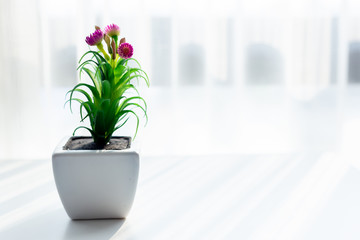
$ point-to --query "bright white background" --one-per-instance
(226, 76)
(254, 117)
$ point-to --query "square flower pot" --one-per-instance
(96, 184)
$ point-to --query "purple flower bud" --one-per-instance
(95, 38)
(112, 30)
(113, 45)
(107, 40)
(125, 50)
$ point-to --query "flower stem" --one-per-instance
(101, 48)
(116, 42)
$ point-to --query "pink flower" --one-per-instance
(95, 38)
(125, 50)
(112, 30)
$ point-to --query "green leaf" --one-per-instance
(91, 131)
(137, 119)
(125, 61)
(118, 72)
(95, 54)
(100, 122)
(106, 89)
(92, 77)
(84, 93)
(119, 126)
(146, 78)
(87, 62)
(125, 102)
(91, 111)
(92, 89)
(139, 106)
(126, 78)
(73, 99)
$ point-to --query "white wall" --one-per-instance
(198, 46)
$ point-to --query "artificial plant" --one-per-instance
(108, 101)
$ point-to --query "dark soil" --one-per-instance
(87, 143)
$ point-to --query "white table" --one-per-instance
(288, 196)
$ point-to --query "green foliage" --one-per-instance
(105, 103)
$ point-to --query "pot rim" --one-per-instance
(134, 147)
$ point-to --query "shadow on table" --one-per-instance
(93, 229)
(56, 224)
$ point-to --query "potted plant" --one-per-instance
(96, 177)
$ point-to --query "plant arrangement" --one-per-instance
(96, 184)
(112, 98)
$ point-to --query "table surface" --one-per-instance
(279, 196)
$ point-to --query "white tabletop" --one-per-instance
(288, 196)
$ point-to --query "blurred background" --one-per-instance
(227, 76)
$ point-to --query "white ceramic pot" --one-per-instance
(95, 184)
